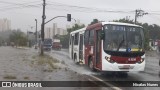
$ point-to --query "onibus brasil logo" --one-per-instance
(21, 84)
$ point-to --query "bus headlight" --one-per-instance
(142, 59)
(109, 59)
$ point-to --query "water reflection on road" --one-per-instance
(151, 73)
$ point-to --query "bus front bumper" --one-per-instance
(106, 66)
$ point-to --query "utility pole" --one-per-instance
(43, 26)
(36, 30)
(139, 13)
(135, 17)
(27, 39)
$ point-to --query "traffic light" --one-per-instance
(69, 17)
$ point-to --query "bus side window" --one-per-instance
(86, 37)
(91, 37)
(76, 39)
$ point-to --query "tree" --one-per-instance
(57, 36)
(75, 27)
(65, 41)
(18, 37)
(65, 38)
(94, 21)
(125, 21)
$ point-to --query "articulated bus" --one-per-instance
(109, 46)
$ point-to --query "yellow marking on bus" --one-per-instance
(136, 49)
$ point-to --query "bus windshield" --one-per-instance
(123, 38)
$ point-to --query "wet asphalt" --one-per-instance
(18, 64)
(151, 72)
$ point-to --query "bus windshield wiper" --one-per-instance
(120, 44)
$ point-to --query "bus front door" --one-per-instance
(81, 48)
(72, 43)
(98, 49)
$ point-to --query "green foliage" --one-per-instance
(19, 38)
(75, 27)
(57, 36)
(124, 21)
(65, 38)
(94, 21)
(65, 41)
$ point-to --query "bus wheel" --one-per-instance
(91, 64)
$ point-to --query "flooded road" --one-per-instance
(151, 73)
(25, 64)
(20, 64)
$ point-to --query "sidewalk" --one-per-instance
(17, 64)
(26, 65)
(20, 47)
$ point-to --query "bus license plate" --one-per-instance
(126, 66)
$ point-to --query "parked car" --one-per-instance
(56, 45)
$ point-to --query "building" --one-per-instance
(68, 26)
(54, 29)
(5, 24)
(51, 32)
(65, 32)
(61, 31)
(48, 33)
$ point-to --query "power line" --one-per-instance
(91, 9)
(85, 11)
(82, 9)
(88, 10)
(71, 7)
(85, 8)
(154, 13)
(16, 4)
(153, 16)
(4, 2)
(20, 7)
(66, 7)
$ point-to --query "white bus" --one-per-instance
(109, 46)
(76, 45)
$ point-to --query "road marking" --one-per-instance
(108, 84)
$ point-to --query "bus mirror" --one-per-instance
(102, 35)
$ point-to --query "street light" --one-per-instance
(36, 30)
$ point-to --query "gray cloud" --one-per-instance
(24, 17)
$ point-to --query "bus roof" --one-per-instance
(103, 23)
(100, 24)
(120, 23)
(79, 30)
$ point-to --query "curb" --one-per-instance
(26, 48)
(93, 78)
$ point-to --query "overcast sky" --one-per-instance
(84, 10)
